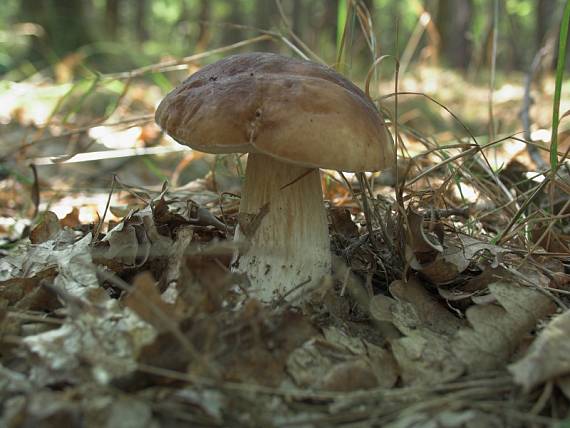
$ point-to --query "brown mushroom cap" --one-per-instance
(293, 110)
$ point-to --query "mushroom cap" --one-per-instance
(293, 110)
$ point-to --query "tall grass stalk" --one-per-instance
(558, 87)
(342, 13)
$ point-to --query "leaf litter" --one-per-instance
(147, 323)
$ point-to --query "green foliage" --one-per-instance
(522, 8)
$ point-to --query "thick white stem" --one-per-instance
(285, 223)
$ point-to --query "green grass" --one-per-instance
(558, 87)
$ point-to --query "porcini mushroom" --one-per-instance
(292, 117)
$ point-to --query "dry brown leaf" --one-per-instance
(133, 241)
(47, 229)
(339, 339)
(421, 246)
(456, 257)
(548, 358)
(438, 346)
(145, 300)
(71, 220)
(551, 239)
(383, 365)
(308, 364)
(419, 309)
(496, 330)
(128, 243)
(423, 353)
(211, 402)
(262, 347)
(475, 286)
(426, 358)
(349, 376)
(341, 363)
(342, 223)
(178, 255)
(382, 307)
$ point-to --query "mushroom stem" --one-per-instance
(283, 219)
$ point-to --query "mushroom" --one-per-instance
(292, 117)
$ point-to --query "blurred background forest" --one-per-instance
(114, 35)
(81, 80)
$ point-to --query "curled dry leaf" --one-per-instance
(548, 358)
(176, 213)
(133, 242)
(440, 257)
(128, 242)
(459, 253)
(421, 246)
(474, 286)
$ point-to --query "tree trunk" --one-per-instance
(141, 9)
(296, 17)
(544, 10)
(232, 34)
(65, 25)
(453, 20)
(204, 31)
(112, 17)
(325, 27)
(265, 11)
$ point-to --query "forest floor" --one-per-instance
(118, 306)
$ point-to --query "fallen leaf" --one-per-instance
(100, 344)
(421, 246)
(548, 358)
(341, 363)
(71, 220)
(497, 329)
(459, 253)
(64, 258)
(47, 229)
(145, 300)
(349, 376)
(342, 224)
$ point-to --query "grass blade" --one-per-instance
(558, 87)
